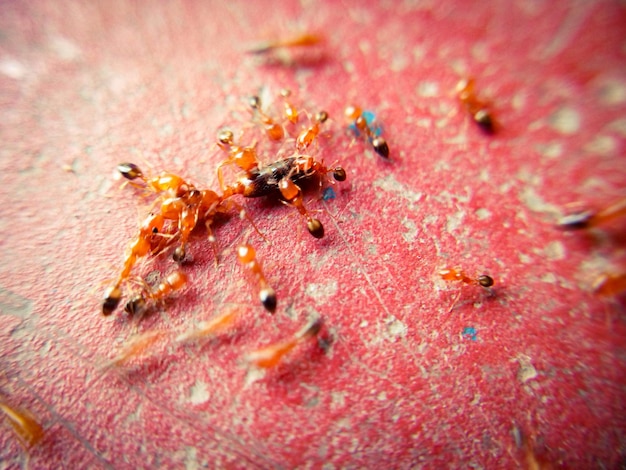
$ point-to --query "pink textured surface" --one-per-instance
(87, 86)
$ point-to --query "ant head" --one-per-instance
(130, 171)
(225, 138)
(321, 116)
(254, 102)
(135, 306)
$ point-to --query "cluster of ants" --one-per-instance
(179, 207)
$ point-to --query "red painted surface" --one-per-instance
(84, 87)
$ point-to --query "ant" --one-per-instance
(281, 177)
(184, 208)
(479, 110)
(271, 355)
(457, 274)
(243, 157)
(28, 431)
(308, 136)
(139, 303)
(363, 122)
(246, 255)
(210, 327)
(273, 130)
(591, 219)
(303, 40)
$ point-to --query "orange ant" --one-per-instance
(308, 135)
(591, 219)
(210, 327)
(185, 207)
(271, 355)
(478, 109)
(273, 130)
(363, 122)
(457, 274)
(136, 346)
(246, 255)
(303, 40)
(28, 431)
(139, 303)
(243, 157)
(281, 177)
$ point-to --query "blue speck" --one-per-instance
(469, 332)
(329, 193)
(370, 118)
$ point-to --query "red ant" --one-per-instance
(457, 274)
(271, 355)
(479, 110)
(273, 130)
(246, 255)
(243, 157)
(185, 207)
(28, 431)
(362, 122)
(303, 40)
(591, 219)
(308, 135)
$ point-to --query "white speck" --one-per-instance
(519, 100)
(199, 393)
(554, 251)
(619, 125)
(551, 149)
(191, 458)
(65, 49)
(548, 278)
(526, 370)
(320, 291)
(395, 329)
(524, 258)
(455, 221)
(390, 184)
(602, 145)
(613, 92)
(411, 232)
(565, 121)
(399, 62)
(12, 68)
(428, 89)
(535, 203)
(382, 396)
(483, 213)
